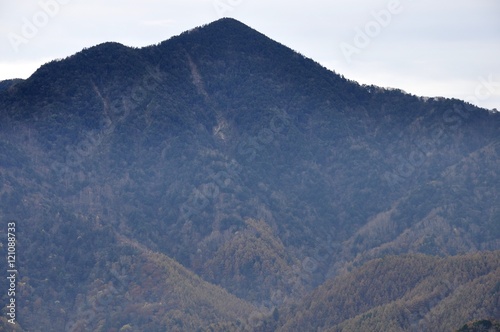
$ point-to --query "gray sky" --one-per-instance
(447, 48)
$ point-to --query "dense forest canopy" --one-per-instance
(219, 181)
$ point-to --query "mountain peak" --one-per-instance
(260, 172)
(227, 23)
(222, 30)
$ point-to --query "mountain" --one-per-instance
(218, 179)
(403, 293)
(4, 85)
(481, 325)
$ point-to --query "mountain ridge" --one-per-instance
(253, 167)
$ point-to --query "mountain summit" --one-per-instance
(220, 181)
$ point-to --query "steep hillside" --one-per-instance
(404, 293)
(127, 285)
(238, 161)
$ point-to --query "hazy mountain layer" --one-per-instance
(221, 164)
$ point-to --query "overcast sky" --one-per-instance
(445, 48)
